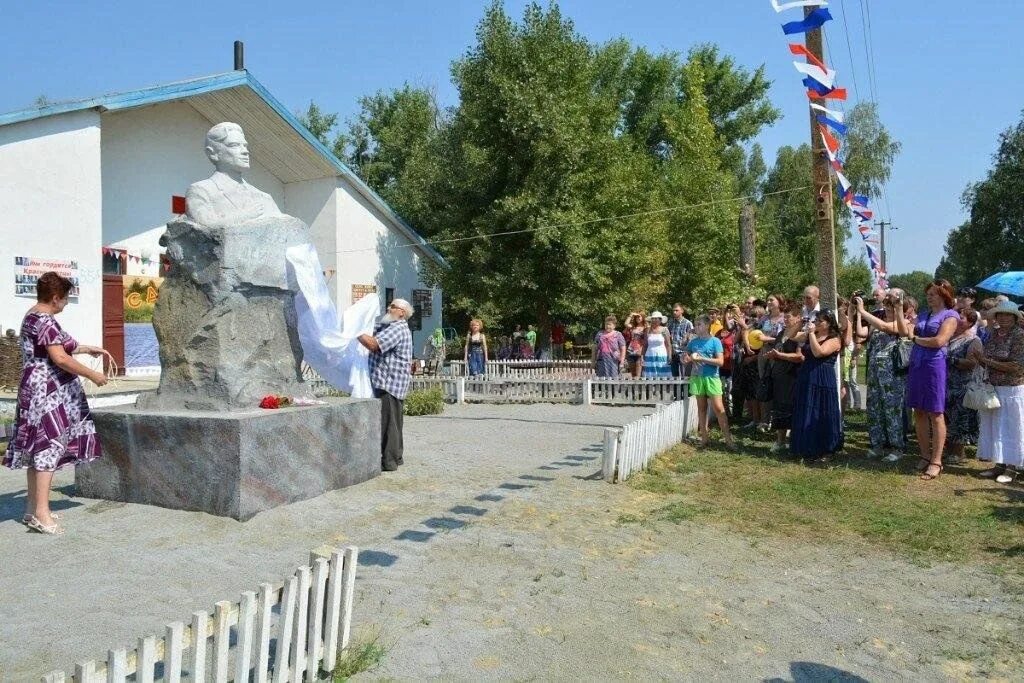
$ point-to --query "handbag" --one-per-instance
(980, 395)
(900, 355)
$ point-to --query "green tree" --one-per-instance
(532, 166)
(992, 239)
(913, 283)
(704, 238)
(319, 123)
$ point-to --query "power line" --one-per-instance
(849, 49)
(586, 222)
(869, 48)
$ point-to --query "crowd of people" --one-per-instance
(773, 363)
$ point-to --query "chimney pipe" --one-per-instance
(239, 56)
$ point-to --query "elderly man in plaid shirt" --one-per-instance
(390, 349)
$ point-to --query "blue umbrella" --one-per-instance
(1011, 283)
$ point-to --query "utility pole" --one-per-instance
(822, 188)
(883, 225)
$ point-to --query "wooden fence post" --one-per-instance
(611, 441)
(460, 390)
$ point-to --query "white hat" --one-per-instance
(658, 315)
(1005, 307)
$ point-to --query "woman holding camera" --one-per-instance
(886, 399)
(926, 376)
(817, 429)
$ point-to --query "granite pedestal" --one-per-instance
(232, 464)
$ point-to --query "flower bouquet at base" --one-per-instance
(273, 402)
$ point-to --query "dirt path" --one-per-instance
(496, 553)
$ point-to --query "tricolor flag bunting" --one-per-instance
(783, 6)
(827, 77)
(834, 125)
(815, 19)
(802, 51)
(831, 113)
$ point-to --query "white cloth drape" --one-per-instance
(331, 348)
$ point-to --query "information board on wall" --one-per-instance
(28, 269)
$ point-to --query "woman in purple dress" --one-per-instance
(926, 376)
(52, 424)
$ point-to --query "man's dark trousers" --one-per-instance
(390, 430)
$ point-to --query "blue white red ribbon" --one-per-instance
(783, 6)
(820, 82)
(815, 19)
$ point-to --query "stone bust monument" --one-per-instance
(225, 198)
(226, 318)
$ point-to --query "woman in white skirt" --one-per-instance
(1001, 431)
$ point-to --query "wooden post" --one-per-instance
(244, 629)
(587, 388)
(822, 187)
(266, 606)
(748, 242)
(460, 390)
(146, 660)
(611, 440)
(200, 632)
(173, 645)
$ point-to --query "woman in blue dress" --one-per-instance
(475, 353)
(817, 428)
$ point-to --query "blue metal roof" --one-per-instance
(182, 90)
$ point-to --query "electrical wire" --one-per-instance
(849, 50)
(586, 222)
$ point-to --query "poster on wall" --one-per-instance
(140, 295)
(27, 270)
(141, 348)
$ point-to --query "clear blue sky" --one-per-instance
(947, 72)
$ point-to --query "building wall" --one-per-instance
(371, 253)
(312, 201)
(50, 207)
(150, 154)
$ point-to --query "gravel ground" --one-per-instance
(495, 553)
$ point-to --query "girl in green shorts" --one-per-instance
(706, 354)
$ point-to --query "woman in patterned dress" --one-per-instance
(656, 348)
(474, 354)
(52, 427)
(961, 421)
(886, 399)
(1001, 433)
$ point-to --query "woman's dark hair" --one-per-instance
(794, 309)
(969, 315)
(50, 285)
(945, 291)
(829, 317)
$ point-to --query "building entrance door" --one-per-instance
(113, 320)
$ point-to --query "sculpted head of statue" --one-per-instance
(227, 149)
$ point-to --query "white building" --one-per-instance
(82, 179)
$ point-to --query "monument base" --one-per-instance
(232, 464)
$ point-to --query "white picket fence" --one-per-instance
(308, 618)
(563, 369)
(588, 391)
(631, 448)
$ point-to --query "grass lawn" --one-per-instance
(957, 518)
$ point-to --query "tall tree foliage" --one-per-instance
(787, 242)
(552, 138)
(993, 238)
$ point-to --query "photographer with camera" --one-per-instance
(886, 377)
(926, 376)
